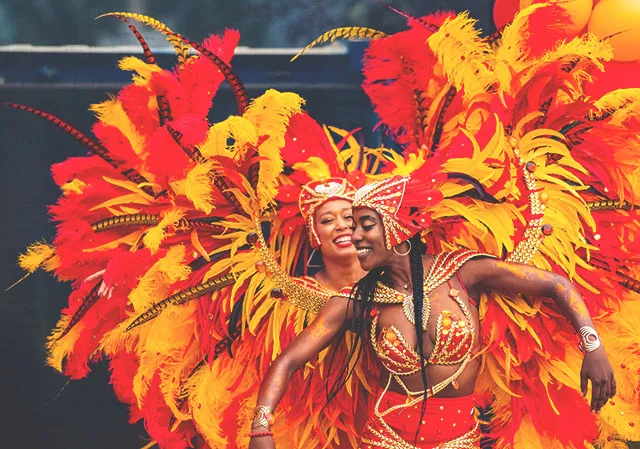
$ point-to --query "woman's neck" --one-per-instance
(398, 274)
(338, 274)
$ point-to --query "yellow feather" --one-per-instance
(208, 391)
(173, 374)
(195, 241)
(528, 437)
(74, 186)
(240, 129)
(181, 49)
(132, 187)
(608, 438)
(512, 51)
(59, 348)
(161, 341)
(496, 373)
(464, 55)
(156, 283)
(197, 186)
(39, 255)
(405, 165)
(144, 70)
(270, 114)
(585, 48)
(314, 167)
(124, 199)
(349, 33)
(111, 113)
(620, 102)
(153, 237)
(619, 417)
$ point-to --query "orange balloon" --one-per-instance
(618, 16)
(504, 11)
(578, 10)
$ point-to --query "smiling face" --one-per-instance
(334, 222)
(368, 238)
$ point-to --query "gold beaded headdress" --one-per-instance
(399, 201)
(315, 194)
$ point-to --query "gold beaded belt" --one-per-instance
(384, 437)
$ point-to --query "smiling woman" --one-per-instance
(368, 221)
(334, 222)
(426, 357)
(326, 207)
(490, 286)
(185, 239)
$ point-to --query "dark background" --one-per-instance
(40, 409)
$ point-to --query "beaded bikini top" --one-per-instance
(454, 335)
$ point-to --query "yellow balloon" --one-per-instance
(618, 16)
(578, 10)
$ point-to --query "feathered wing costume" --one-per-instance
(532, 170)
(179, 237)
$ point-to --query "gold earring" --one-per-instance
(403, 254)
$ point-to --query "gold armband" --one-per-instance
(262, 417)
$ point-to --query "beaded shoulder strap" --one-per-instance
(444, 266)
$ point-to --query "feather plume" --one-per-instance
(143, 69)
(270, 114)
(91, 144)
(162, 341)
(157, 282)
(240, 129)
(59, 348)
(39, 255)
(111, 113)
(197, 187)
(466, 58)
(346, 33)
(619, 104)
(182, 50)
(208, 391)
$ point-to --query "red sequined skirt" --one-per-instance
(448, 423)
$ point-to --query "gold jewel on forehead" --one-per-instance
(385, 197)
(315, 194)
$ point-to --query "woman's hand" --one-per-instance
(263, 442)
(597, 369)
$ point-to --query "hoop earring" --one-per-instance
(403, 254)
(313, 253)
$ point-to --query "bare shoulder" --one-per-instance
(336, 309)
(476, 270)
(479, 264)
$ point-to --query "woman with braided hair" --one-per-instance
(419, 313)
(518, 180)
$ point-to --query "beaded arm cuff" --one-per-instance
(262, 417)
(589, 339)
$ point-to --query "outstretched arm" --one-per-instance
(496, 275)
(329, 324)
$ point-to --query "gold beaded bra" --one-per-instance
(454, 335)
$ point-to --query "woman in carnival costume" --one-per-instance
(161, 231)
(516, 181)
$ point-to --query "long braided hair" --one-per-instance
(362, 303)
